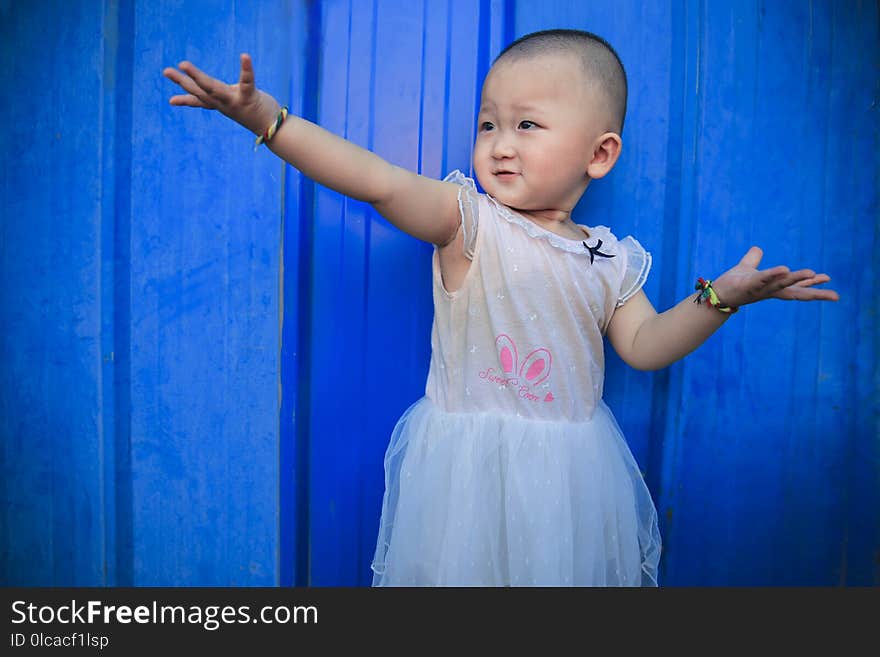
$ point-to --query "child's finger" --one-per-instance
(183, 81)
(752, 258)
(798, 293)
(247, 70)
(815, 280)
(211, 86)
(798, 276)
(770, 276)
(187, 100)
(175, 76)
(801, 289)
(790, 280)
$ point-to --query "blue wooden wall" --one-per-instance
(202, 354)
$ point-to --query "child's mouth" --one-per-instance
(505, 175)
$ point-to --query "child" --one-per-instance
(511, 470)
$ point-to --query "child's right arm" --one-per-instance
(422, 207)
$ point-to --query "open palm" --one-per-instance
(745, 284)
(241, 102)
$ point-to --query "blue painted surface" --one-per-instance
(205, 307)
(50, 267)
(203, 353)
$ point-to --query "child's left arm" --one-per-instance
(647, 340)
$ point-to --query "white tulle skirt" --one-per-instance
(480, 499)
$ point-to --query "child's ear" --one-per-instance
(605, 154)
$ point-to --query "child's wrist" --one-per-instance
(266, 135)
(709, 293)
(263, 115)
(263, 123)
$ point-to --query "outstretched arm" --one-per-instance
(649, 341)
(424, 208)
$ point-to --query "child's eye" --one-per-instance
(525, 125)
(486, 125)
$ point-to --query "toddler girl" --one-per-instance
(511, 470)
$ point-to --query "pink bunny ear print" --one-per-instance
(506, 353)
(536, 366)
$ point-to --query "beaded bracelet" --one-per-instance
(707, 293)
(270, 132)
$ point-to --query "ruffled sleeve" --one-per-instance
(638, 264)
(468, 207)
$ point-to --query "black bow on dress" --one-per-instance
(594, 251)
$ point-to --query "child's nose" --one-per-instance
(502, 146)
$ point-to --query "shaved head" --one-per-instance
(602, 68)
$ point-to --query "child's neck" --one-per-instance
(555, 221)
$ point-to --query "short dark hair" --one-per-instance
(600, 62)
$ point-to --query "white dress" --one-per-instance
(511, 470)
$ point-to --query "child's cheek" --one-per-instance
(480, 158)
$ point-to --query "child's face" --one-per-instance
(537, 126)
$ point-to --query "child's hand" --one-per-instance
(241, 102)
(745, 284)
